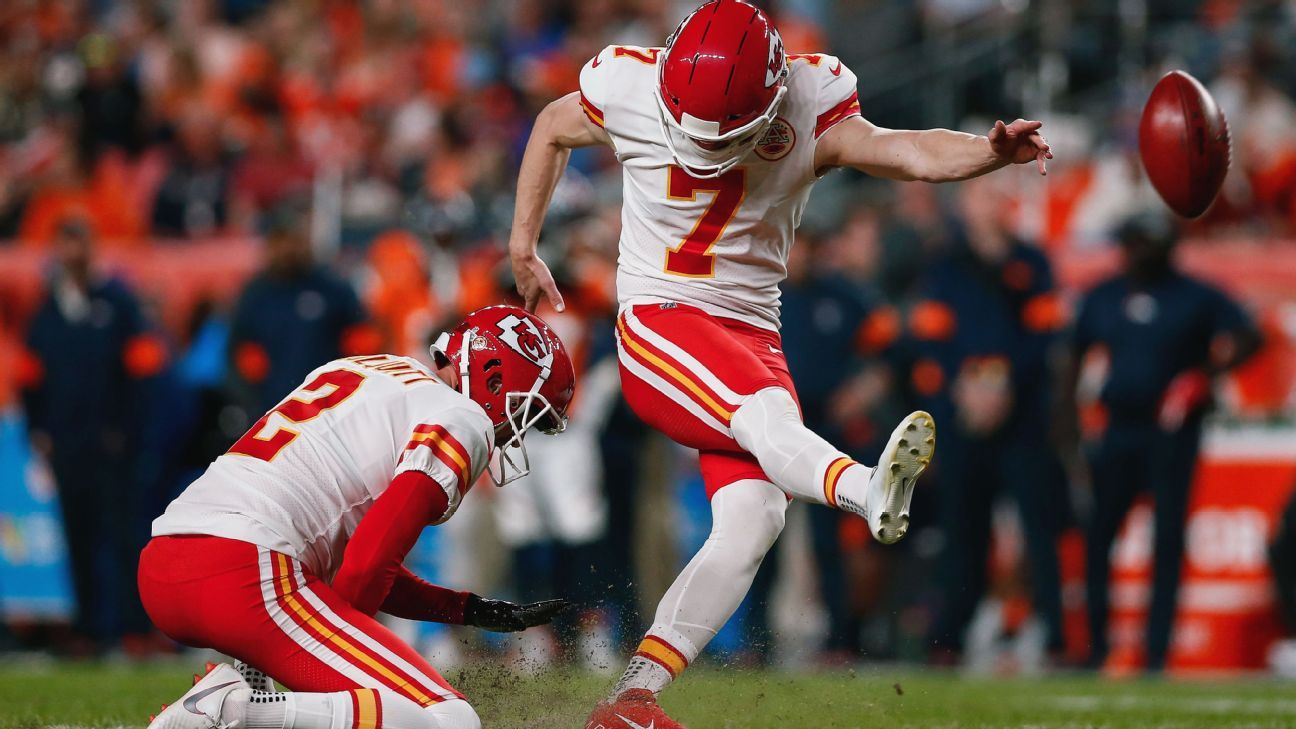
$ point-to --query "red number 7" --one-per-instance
(330, 390)
(692, 257)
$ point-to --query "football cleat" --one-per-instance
(633, 709)
(200, 707)
(890, 488)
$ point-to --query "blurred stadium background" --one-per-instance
(247, 188)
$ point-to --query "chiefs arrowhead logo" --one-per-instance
(523, 337)
(776, 141)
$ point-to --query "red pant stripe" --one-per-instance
(329, 635)
(675, 373)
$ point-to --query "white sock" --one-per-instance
(746, 519)
(768, 426)
(337, 710)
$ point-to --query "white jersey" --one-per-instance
(301, 479)
(719, 244)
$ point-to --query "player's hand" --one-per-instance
(501, 616)
(1021, 142)
(1188, 393)
(535, 281)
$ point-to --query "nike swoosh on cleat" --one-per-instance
(633, 725)
(191, 703)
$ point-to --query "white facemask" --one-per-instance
(522, 411)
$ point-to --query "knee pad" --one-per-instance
(749, 515)
(760, 414)
(457, 714)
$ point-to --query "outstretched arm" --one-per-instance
(371, 565)
(372, 576)
(561, 127)
(932, 155)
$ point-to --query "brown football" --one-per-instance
(1184, 143)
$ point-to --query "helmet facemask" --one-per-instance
(705, 163)
(522, 411)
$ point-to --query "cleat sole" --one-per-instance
(909, 457)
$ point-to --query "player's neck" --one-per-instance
(449, 375)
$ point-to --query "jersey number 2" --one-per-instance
(693, 258)
(329, 389)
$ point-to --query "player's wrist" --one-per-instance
(523, 247)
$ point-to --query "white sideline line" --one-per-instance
(1177, 705)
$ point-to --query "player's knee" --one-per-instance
(457, 714)
(749, 515)
(762, 414)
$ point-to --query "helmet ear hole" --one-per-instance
(495, 383)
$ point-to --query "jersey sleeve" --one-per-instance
(453, 449)
(594, 86)
(838, 97)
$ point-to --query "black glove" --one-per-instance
(502, 616)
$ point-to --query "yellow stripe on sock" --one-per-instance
(830, 479)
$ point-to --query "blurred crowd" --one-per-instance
(369, 149)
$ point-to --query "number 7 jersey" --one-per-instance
(305, 474)
(719, 244)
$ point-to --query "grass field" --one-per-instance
(90, 696)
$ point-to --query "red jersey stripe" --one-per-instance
(846, 109)
(593, 112)
(446, 448)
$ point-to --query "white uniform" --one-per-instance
(304, 475)
(719, 244)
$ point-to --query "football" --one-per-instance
(1184, 143)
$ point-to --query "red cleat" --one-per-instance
(633, 709)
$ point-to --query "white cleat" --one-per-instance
(200, 707)
(890, 488)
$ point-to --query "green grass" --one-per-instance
(109, 696)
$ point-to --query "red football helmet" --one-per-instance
(719, 84)
(514, 366)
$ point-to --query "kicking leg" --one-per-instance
(725, 386)
(768, 425)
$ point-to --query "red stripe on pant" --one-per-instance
(684, 370)
(328, 634)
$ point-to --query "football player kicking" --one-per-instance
(721, 135)
(280, 554)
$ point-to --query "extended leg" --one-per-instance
(768, 426)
